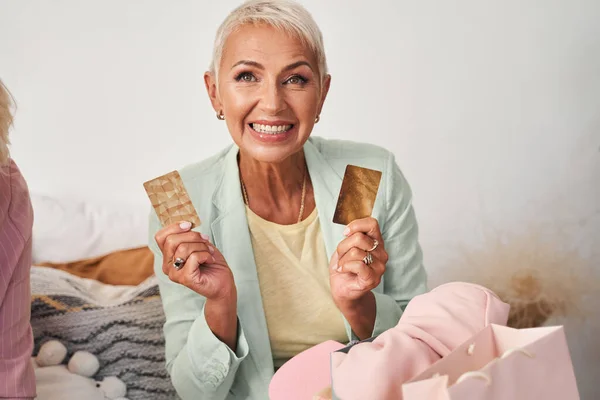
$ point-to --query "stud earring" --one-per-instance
(220, 115)
(317, 119)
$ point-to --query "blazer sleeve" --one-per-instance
(405, 276)
(199, 364)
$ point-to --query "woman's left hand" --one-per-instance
(350, 276)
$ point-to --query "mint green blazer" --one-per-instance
(201, 366)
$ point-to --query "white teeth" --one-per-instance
(272, 129)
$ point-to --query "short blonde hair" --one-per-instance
(6, 120)
(286, 15)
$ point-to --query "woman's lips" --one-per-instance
(272, 132)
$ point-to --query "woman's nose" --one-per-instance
(272, 98)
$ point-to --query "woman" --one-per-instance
(17, 380)
(250, 287)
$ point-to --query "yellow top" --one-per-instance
(293, 275)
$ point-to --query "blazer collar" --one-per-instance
(227, 194)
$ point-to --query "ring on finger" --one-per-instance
(178, 263)
(368, 260)
(375, 244)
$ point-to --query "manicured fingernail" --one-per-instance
(211, 249)
(185, 225)
(204, 236)
(346, 231)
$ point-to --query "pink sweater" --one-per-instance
(17, 379)
(432, 326)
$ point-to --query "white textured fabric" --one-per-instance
(58, 383)
(67, 230)
(49, 282)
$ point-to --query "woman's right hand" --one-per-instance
(205, 270)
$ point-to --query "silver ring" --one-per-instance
(178, 263)
(375, 244)
(368, 260)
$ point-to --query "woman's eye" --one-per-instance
(245, 77)
(296, 80)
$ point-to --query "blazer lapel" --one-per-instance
(231, 235)
(326, 186)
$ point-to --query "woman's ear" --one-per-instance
(324, 91)
(211, 88)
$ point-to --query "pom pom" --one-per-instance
(51, 353)
(84, 363)
(113, 387)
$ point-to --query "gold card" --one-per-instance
(170, 200)
(357, 195)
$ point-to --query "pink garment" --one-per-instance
(432, 325)
(305, 374)
(17, 379)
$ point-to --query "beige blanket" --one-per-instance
(124, 267)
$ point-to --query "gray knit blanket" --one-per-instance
(121, 325)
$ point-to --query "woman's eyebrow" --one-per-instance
(258, 65)
(248, 63)
(297, 64)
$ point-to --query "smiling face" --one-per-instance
(270, 91)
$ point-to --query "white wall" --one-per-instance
(492, 108)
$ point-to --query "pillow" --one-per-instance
(66, 230)
(121, 325)
(122, 267)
